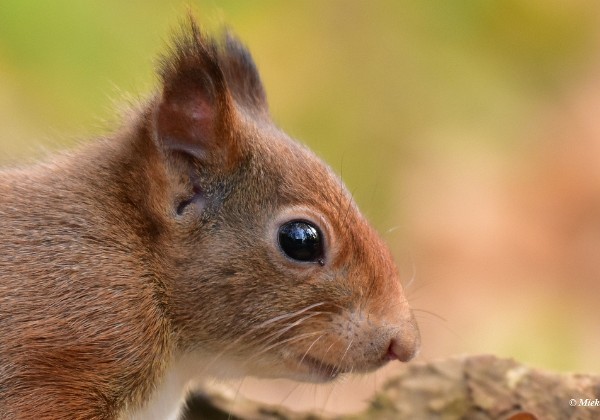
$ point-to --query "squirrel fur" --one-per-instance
(147, 258)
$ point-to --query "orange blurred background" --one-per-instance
(469, 133)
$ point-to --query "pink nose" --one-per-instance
(404, 346)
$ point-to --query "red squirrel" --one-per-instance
(198, 240)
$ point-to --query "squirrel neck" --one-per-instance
(87, 284)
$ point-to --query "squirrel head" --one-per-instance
(272, 268)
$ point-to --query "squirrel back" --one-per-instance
(199, 240)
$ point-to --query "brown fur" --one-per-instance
(160, 241)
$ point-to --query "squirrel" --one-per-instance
(196, 241)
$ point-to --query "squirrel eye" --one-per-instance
(301, 241)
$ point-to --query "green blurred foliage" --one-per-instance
(364, 83)
(371, 86)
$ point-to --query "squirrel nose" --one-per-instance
(405, 345)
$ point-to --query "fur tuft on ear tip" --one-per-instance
(195, 110)
(203, 80)
(193, 58)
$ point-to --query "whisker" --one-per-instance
(285, 316)
(324, 355)
(341, 193)
(294, 388)
(418, 288)
(445, 325)
(308, 349)
(327, 397)
(390, 230)
(337, 305)
(346, 352)
(287, 340)
(254, 329)
(344, 223)
(237, 393)
(276, 334)
(433, 314)
(400, 303)
(414, 273)
(333, 387)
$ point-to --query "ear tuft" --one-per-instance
(195, 114)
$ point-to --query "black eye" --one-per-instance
(301, 241)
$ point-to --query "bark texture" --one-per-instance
(472, 387)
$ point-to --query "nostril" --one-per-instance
(402, 349)
(391, 354)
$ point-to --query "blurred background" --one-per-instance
(468, 132)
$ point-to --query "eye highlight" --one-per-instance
(301, 241)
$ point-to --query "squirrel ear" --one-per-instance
(195, 112)
(242, 76)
